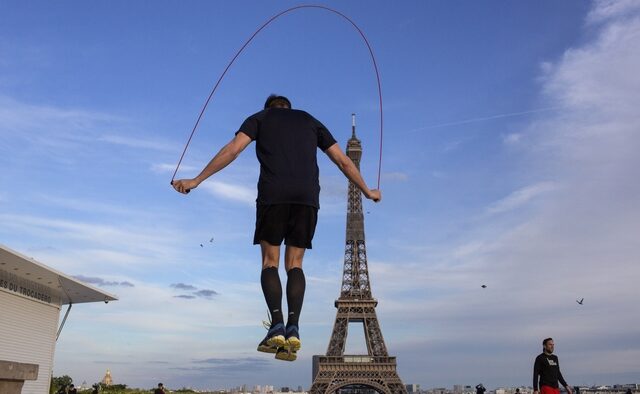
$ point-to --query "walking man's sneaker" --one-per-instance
(275, 339)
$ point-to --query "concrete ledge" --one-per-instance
(13, 375)
(11, 370)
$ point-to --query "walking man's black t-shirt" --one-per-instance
(286, 145)
(547, 367)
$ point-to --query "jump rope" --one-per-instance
(233, 59)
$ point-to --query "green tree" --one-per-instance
(58, 382)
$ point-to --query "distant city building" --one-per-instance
(107, 380)
(412, 388)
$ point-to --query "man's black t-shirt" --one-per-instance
(286, 145)
(548, 368)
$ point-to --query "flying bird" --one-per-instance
(484, 286)
(580, 302)
(211, 240)
(201, 245)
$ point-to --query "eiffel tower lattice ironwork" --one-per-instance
(335, 371)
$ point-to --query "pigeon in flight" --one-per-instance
(580, 301)
(211, 240)
(484, 286)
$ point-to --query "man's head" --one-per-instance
(160, 385)
(547, 345)
(275, 101)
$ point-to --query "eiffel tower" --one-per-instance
(336, 372)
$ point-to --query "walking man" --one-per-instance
(546, 371)
(287, 204)
(160, 389)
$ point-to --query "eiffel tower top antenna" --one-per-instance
(353, 126)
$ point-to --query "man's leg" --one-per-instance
(272, 289)
(295, 295)
(295, 282)
(270, 280)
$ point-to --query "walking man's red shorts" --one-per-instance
(549, 390)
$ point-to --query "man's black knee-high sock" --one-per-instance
(272, 290)
(295, 294)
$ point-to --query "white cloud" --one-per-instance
(512, 138)
(137, 142)
(86, 205)
(170, 168)
(520, 197)
(110, 245)
(230, 191)
(395, 176)
(608, 9)
(52, 130)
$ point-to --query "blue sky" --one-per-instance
(509, 160)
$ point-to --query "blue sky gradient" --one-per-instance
(509, 160)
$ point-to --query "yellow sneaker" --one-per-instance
(286, 354)
(274, 339)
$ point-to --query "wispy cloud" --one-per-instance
(395, 176)
(131, 142)
(170, 168)
(183, 286)
(185, 296)
(45, 126)
(230, 191)
(607, 9)
(86, 205)
(520, 197)
(102, 282)
(483, 119)
(512, 138)
(205, 293)
(121, 246)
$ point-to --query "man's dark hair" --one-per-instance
(277, 101)
(160, 384)
(544, 343)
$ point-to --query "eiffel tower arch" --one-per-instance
(336, 372)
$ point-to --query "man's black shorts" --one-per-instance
(295, 223)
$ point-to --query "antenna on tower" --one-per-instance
(353, 125)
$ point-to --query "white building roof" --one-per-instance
(68, 289)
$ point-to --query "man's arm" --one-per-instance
(350, 170)
(536, 373)
(562, 381)
(226, 155)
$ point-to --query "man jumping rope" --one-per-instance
(546, 371)
(287, 204)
